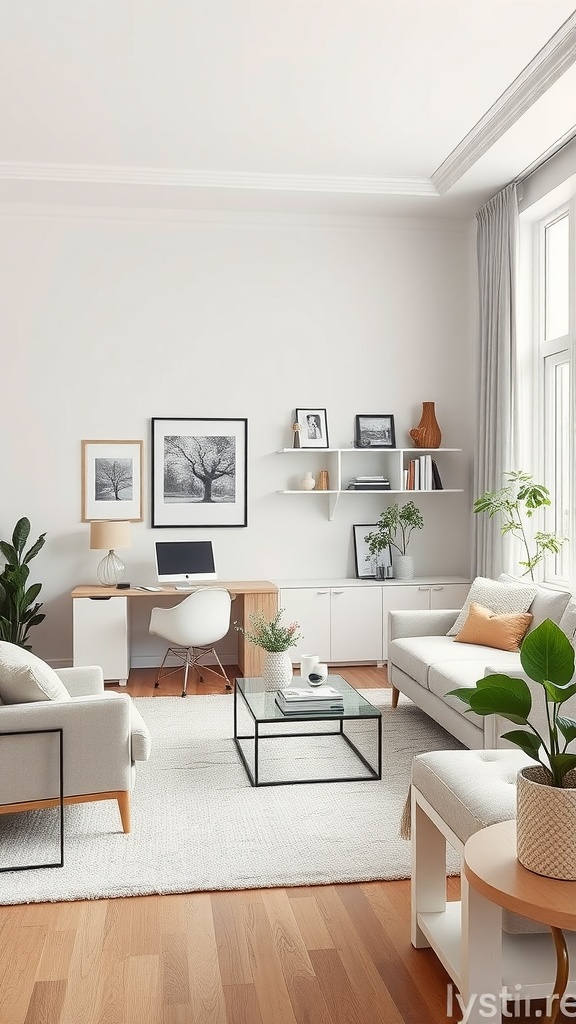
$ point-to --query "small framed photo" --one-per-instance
(112, 480)
(313, 428)
(368, 566)
(375, 431)
(199, 472)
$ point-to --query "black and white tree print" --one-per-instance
(113, 480)
(199, 469)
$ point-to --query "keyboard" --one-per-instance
(186, 588)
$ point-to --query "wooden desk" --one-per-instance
(498, 880)
(101, 622)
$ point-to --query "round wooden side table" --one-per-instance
(498, 880)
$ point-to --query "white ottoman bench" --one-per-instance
(454, 793)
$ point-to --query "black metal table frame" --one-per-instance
(60, 733)
(372, 773)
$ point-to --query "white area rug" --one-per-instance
(197, 824)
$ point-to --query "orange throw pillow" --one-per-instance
(501, 631)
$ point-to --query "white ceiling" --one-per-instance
(358, 106)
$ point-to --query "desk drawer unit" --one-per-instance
(101, 635)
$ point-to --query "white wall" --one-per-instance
(110, 318)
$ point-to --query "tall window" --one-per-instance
(554, 263)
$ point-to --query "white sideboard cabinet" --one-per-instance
(346, 621)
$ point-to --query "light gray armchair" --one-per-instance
(103, 736)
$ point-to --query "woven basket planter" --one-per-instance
(546, 823)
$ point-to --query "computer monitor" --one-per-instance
(183, 561)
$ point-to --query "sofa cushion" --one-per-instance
(416, 655)
(568, 621)
(549, 603)
(500, 598)
(501, 631)
(25, 678)
(449, 675)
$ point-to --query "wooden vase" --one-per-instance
(427, 434)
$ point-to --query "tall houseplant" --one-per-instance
(394, 528)
(546, 790)
(517, 501)
(19, 610)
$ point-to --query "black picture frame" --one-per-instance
(216, 446)
(313, 427)
(375, 430)
(370, 567)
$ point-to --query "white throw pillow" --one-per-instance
(500, 598)
(25, 678)
(548, 603)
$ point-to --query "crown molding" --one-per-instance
(538, 76)
(178, 178)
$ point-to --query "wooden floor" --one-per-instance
(337, 954)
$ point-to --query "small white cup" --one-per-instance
(319, 669)
(307, 663)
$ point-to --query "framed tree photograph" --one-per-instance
(368, 566)
(112, 480)
(199, 472)
(375, 431)
(313, 428)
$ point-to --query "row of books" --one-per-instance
(422, 474)
(369, 483)
(296, 699)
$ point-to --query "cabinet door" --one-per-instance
(356, 624)
(310, 608)
(100, 635)
(448, 595)
(404, 598)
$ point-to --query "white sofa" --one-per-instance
(103, 736)
(424, 664)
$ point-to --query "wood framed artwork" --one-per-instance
(375, 431)
(112, 480)
(199, 472)
(313, 428)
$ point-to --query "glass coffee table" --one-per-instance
(338, 755)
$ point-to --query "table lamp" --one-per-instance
(107, 535)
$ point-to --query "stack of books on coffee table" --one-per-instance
(296, 699)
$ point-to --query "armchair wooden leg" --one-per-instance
(395, 695)
(123, 799)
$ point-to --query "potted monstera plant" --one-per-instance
(546, 813)
(19, 610)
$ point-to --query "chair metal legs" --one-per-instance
(191, 658)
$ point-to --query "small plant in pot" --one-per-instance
(394, 529)
(517, 501)
(546, 815)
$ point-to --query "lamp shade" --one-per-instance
(108, 534)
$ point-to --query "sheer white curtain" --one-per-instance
(497, 251)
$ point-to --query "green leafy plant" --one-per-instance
(518, 500)
(394, 528)
(547, 657)
(19, 610)
(270, 633)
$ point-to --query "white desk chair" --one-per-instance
(192, 628)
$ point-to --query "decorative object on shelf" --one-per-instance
(375, 431)
(546, 813)
(313, 428)
(308, 482)
(323, 481)
(112, 480)
(394, 529)
(107, 535)
(427, 434)
(520, 497)
(19, 610)
(199, 472)
(275, 639)
(375, 565)
(307, 663)
(296, 442)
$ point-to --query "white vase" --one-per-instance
(403, 567)
(277, 670)
(308, 482)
